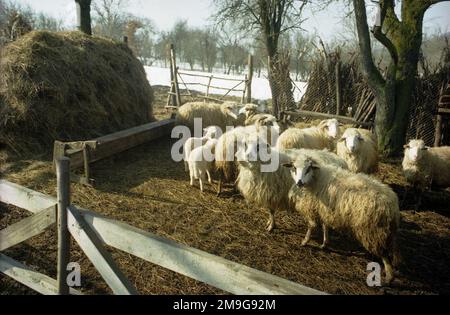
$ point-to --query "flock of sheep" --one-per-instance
(321, 172)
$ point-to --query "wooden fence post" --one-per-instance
(63, 193)
(249, 78)
(176, 89)
(338, 88)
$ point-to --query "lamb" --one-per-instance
(201, 161)
(319, 137)
(211, 132)
(354, 203)
(212, 114)
(358, 147)
(424, 166)
(268, 190)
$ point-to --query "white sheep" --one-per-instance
(268, 190)
(250, 110)
(322, 136)
(211, 132)
(354, 203)
(201, 161)
(306, 203)
(221, 115)
(358, 147)
(264, 127)
(424, 166)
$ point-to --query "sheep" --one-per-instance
(306, 203)
(201, 161)
(212, 114)
(268, 190)
(423, 166)
(250, 110)
(358, 147)
(227, 146)
(225, 155)
(354, 203)
(319, 137)
(211, 132)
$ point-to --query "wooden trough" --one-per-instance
(93, 231)
(82, 153)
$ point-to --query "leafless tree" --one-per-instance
(402, 37)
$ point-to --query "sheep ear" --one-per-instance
(406, 146)
(288, 165)
(341, 139)
(426, 148)
(315, 166)
(360, 138)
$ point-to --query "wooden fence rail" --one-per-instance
(92, 231)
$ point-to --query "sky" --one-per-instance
(164, 13)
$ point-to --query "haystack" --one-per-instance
(69, 86)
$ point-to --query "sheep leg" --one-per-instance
(389, 270)
(191, 175)
(311, 227)
(271, 221)
(219, 187)
(186, 166)
(201, 179)
(325, 236)
(209, 177)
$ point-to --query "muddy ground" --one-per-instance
(145, 188)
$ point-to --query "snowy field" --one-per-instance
(260, 86)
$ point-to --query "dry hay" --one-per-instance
(69, 86)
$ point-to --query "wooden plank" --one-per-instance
(207, 76)
(27, 228)
(63, 193)
(121, 141)
(444, 110)
(24, 198)
(213, 270)
(98, 255)
(343, 119)
(30, 278)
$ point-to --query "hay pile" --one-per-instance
(68, 86)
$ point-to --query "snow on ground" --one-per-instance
(260, 86)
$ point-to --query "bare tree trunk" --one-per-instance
(84, 16)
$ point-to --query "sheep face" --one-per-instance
(231, 109)
(331, 127)
(248, 109)
(352, 140)
(302, 170)
(415, 149)
(212, 132)
(251, 153)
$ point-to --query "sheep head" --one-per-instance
(302, 170)
(415, 149)
(331, 127)
(230, 109)
(212, 132)
(252, 151)
(352, 139)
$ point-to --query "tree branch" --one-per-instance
(387, 11)
(373, 74)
